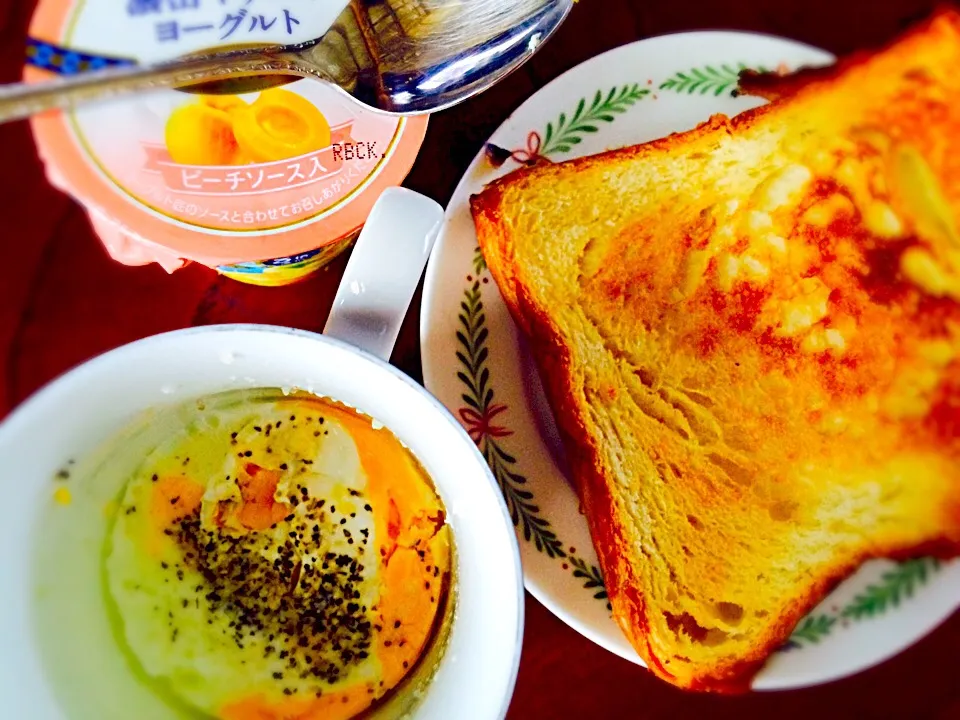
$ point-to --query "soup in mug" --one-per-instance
(256, 556)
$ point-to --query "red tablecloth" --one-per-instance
(62, 301)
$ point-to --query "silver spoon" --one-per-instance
(396, 56)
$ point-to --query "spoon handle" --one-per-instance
(21, 100)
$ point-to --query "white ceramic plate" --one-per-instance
(475, 362)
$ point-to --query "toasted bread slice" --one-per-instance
(749, 334)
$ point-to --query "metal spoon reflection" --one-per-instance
(395, 56)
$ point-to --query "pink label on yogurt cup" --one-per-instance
(239, 196)
(299, 167)
(216, 181)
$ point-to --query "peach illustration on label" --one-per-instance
(280, 125)
(199, 134)
(226, 130)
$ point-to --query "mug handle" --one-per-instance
(384, 271)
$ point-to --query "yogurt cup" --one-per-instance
(266, 187)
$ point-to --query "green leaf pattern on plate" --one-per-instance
(561, 135)
(591, 576)
(478, 416)
(896, 585)
(479, 261)
(707, 79)
(812, 629)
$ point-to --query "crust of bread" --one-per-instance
(774, 86)
(492, 213)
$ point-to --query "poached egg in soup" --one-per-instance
(283, 558)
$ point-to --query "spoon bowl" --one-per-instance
(402, 57)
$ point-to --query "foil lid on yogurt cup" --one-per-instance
(173, 177)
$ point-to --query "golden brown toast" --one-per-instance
(749, 334)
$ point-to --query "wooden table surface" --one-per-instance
(62, 301)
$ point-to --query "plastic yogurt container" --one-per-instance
(266, 188)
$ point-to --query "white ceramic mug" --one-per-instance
(76, 413)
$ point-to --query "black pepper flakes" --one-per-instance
(319, 626)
